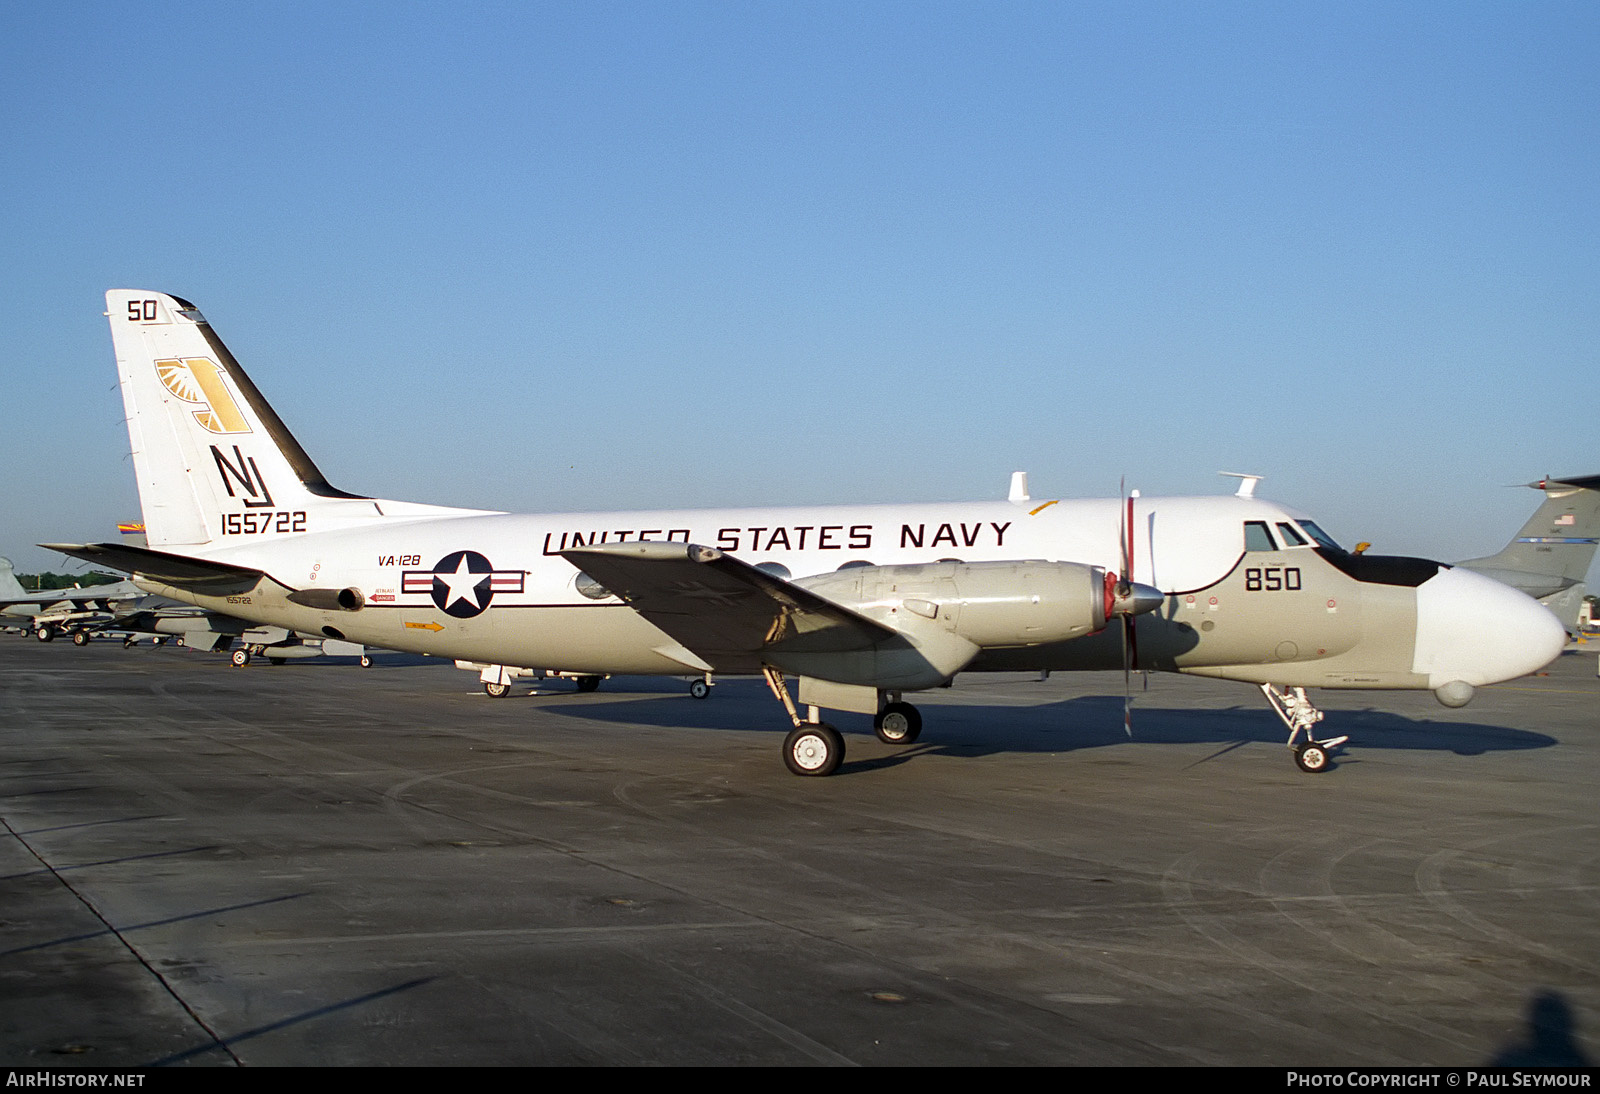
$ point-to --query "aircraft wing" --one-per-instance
(215, 578)
(726, 611)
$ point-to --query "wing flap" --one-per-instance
(725, 611)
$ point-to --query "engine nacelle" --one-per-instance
(990, 604)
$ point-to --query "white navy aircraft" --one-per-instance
(860, 604)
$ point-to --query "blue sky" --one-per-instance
(590, 255)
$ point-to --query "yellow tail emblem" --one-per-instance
(199, 380)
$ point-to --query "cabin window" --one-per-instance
(1290, 537)
(1256, 536)
(1321, 538)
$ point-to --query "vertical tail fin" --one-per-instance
(10, 587)
(214, 461)
(1553, 551)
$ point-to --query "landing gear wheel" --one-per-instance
(814, 748)
(588, 683)
(240, 658)
(80, 638)
(898, 724)
(700, 689)
(497, 691)
(45, 634)
(1311, 757)
(366, 662)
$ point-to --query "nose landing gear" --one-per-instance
(1300, 715)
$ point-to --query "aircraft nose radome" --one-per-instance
(1474, 629)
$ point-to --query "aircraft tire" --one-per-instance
(588, 683)
(366, 662)
(700, 689)
(496, 691)
(814, 748)
(1312, 758)
(45, 634)
(80, 638)
(240, 658)
(898, 724)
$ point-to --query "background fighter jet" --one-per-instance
(861, 604)
(77, 611)
(123, 610)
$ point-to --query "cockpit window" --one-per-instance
(1290, 537)
(1322, 538)
(1256, 536)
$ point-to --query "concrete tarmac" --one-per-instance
(318, 864)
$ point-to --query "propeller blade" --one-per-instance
(1124, 546)
(1127, 562)
(1127, 683)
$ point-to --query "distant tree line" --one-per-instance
(65, 581)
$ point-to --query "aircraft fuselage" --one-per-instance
(496, 588)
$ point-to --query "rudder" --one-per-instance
(215, 463)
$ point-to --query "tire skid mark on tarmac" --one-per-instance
(1042, 948)
(394, 800)
(1178, 884)
(805, 923)
(1430, 882)
(1344, 927)
(831, 926)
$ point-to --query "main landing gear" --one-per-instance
(1300, 714)
(813, 747)
(897, 723)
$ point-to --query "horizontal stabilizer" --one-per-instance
(1582, 482)
(216, 578)
(724, 610)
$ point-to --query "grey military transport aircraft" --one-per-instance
(1550, 557)
(861, 604)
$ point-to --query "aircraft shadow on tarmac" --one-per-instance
(1082, 722)
(124, 929)
(227, 1041)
